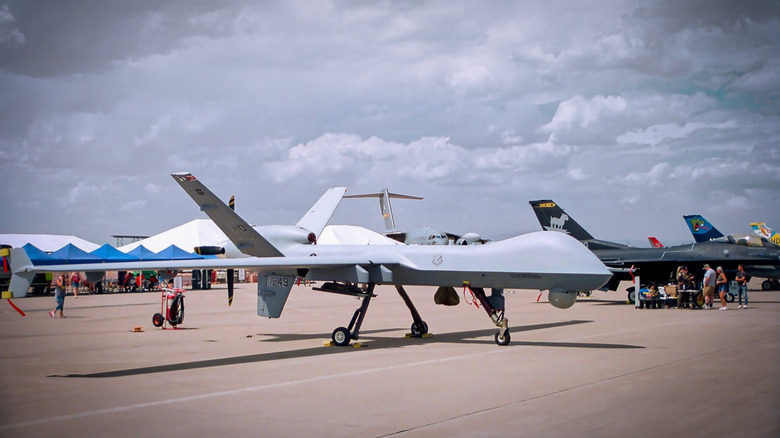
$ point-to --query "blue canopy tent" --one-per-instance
(39, 257)
(110, 254)
(72, 254)
(173, 252)
(143, 254)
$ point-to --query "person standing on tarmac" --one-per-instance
(708, 286)
(59, 294)
(723, 287)
(742, 281)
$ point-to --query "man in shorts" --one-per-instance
(708, 286)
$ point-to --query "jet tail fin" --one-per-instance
(384, 204)
(246, 238)
(320, 213)
(762, 230)
(553, 218)
(701, 228)
(655, 243)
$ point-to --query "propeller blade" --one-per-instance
(230, 286)
(232, 202)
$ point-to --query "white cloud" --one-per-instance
(9, 33)
(581, 112)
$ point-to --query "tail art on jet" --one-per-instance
(553, 218)
(762, 230)
(701, 228)
(655, 243)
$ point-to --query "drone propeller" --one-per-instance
(232, 205)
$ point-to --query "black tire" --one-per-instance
(419, 329)
(730, 297)
(631, 296)
(158, 319)
(176, 313)
(502, 340)
(341, 336)
(766, 285)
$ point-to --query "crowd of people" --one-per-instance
(713, 280)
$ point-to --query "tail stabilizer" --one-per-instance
(384, 204)
(246, 238)
(762, 230)
(21, 276)
(553, 218)
(655, 243)
(320, 213)
(701, 228)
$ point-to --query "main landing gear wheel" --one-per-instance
(419, 328)
(341, 336)
(503, 340)
(158, 319)
(730, 298)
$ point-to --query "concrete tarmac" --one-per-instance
(600, 368)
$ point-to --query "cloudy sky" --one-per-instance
(627, 113)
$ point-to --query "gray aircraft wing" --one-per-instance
(22, 264)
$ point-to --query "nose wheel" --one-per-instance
(341, 336)
(503, 339)
(494, 306)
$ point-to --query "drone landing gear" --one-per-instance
(494, 306)
(343, 335)
(419, 327)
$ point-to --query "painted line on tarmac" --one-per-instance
(232, 392)
(577, 387)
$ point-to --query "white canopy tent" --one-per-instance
(46, 242)
(198, 232)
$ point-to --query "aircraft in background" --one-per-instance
(658, 265)
(762, 230)
(416, 236)
(702, 229)
(711, 233)
(283, 253)
(655, 243)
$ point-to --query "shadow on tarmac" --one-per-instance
(377, 342)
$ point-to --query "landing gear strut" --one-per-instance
(419, 327)
(343, 335)
(494, 306)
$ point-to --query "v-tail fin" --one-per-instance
(320, 213)
(246, 238)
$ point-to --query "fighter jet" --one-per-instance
(281, 254)
(703, 231)
(657, 265)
